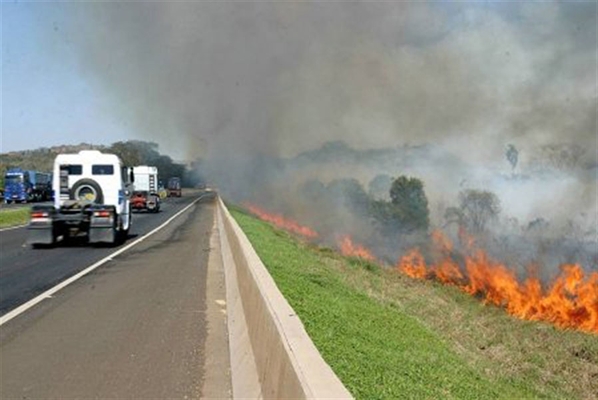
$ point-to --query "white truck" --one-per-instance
(92, 193)
(145, 195)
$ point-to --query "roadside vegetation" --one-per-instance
(14, 216)
(132, 152)
(387, 336)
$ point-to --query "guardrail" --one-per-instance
(271, 354)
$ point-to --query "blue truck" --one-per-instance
(26, 186)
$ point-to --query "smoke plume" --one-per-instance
(255, 88)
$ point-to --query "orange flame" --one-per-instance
(282, 222)
(571, 301)
(349, 249)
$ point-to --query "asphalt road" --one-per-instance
(136, 327)
(27, 272)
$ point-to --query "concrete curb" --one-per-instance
(287, 362)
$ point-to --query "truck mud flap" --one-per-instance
(41, 235)
(102, 225)
(99, 234)
(42, 228)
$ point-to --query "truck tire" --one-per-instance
(122, 234)
(87, 189)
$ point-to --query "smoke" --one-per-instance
(250, 86)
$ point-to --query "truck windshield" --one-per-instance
(174, 183)
(13, 179)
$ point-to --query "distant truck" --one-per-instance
(24, 186)
(92, 193)
(145, 195)
(174, 187)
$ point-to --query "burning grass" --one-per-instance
(570, 301)
(389, 336)
(349, 249)
(281, 222)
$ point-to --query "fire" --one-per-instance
(282, 222)
(571, 301)
(349, 249)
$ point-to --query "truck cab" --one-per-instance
(145, 195)
(92, 193)
(17, 187)
(174, 187)
(24, 186)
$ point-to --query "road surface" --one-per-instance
(27, 272)
(144, 325)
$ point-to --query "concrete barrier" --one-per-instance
(271, 354)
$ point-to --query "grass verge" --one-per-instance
(14, 217)
(387, 336)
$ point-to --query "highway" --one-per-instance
(136, 327)
(26, 272)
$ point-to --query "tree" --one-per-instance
(351, 192)
(478, 208)
(408, 195)
(313, 189)
(454, 215)
(561, 156)
(407, 211)
(136, 152)
(379, 187)
(512, 155)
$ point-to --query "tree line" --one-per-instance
(399, 205)
(132, 152)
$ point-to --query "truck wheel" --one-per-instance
(125, 232)
(122, 234)
(156, 201)
(116, 234)
(87, 189)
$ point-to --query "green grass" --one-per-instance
(387, 336)
(14, 217)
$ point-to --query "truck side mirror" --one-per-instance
(131, 175)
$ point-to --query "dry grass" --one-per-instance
(553, 361)
(389, 336)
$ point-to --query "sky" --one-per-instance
(280, 78)
(46, 99)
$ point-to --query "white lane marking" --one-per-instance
(12, 228)
(48, 293)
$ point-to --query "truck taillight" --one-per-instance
(102, 214)
(39, 214)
